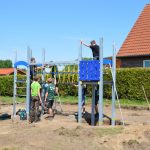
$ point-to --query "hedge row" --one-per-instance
(129, 84)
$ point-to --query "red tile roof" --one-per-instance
(8, 71)
(137, 42)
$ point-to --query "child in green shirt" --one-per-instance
(49, 96)
(35, 100)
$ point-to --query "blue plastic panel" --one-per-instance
(89, 70)
(107, 62)
(39, 65)
(20, 63)
(23, 63)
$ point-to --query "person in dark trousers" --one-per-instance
(95, 51)
(84, 90)
(94, 47)
(49, 96)
(35, 101)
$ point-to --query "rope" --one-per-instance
(117, 98)
(146, 97)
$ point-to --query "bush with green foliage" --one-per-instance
(5, 64)
(6, 85)
(129, 84)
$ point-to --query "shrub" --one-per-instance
(129, 84)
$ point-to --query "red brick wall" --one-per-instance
(132, 61)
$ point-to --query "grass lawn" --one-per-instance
(74, 100)
(123, 102)
(9, 100)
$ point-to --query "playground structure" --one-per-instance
(89, 72)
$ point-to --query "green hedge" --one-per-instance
(6, 85)
(129, 84)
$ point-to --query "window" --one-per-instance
(146, 63)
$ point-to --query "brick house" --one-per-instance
(135, 51)
(10, 71)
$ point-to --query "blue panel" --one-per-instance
(83, 70)
(89, 70)
(39, 65)
(20, 63)
(107, 62)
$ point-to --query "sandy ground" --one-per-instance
(64, 133)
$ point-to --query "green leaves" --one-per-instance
(5, 64)
(129, 84)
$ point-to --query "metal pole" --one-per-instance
(43, 79)
(113, 85)
(15, 92)
(79, 88)
(43, 62)
(101, 84)
(93, 106)
(16, 56)
(28, 82)
(30, 54)
(15, 86)
(117, 97)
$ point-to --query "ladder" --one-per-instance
(16, 88)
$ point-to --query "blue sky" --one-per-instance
(58, 25)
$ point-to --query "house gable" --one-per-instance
(137, 42)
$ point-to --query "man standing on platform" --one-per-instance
(94, 47)
(95, 51)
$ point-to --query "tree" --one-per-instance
(5, 64)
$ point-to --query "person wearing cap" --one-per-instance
(49, 96)
(94, 47)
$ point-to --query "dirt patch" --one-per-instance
(135, 145)
(147, 134)
(136, 107)
(134, 114)
(68, 132)
(63, 132)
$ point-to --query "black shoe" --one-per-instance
(76, 113)
(83, 114)
(96, 115)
